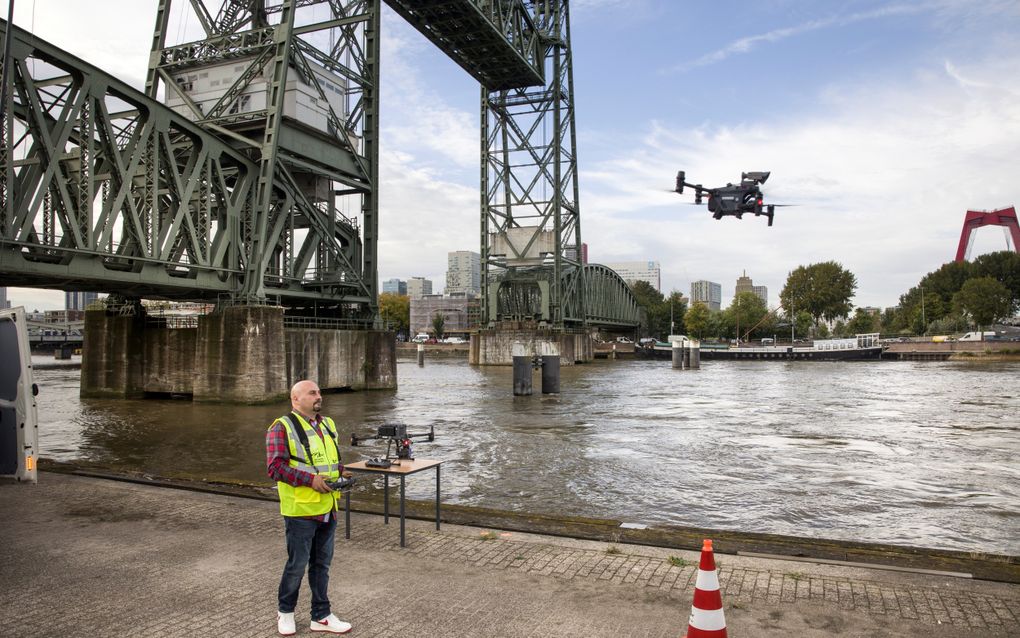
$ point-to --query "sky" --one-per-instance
(884, 122)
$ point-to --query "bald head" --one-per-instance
(305, 398)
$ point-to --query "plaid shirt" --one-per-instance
(278, 459)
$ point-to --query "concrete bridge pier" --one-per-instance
(495, 347)
(112, 355)
(239, 354)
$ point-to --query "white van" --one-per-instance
(421, 337)
(977, 336)
(19, 425)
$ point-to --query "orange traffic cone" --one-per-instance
(707, 620)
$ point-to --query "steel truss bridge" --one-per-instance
(246, 171)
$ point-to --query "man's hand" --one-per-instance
(319, 484)
(347, 474)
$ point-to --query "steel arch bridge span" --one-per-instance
(610, 302)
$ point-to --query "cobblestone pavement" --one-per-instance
(92, 557)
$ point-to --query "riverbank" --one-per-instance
(129, 559)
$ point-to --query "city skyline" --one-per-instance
(882, 121)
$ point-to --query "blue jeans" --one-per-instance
(309, 544)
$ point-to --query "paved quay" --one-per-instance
(84, 556)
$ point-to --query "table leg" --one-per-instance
(437, 497)
(347, 514)
(401, 510)
(386, 499)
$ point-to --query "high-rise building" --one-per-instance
(418, 287)
(632, 271)
(708, 293)
(396, 286)
(74, 300)
(4, 302)
(744, 284)
(463, 272)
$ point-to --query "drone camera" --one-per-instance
(758, 177)
(398, 431)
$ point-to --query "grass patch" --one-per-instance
(797, 576)
(488, 536)
(676, 561)
(613, 550)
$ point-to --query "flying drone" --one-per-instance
(733, 199)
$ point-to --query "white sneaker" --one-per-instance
(285, 624)
(332, 624)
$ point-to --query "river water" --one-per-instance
(912, 453)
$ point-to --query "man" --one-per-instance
(302, 455)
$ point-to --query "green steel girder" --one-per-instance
(274, 43)
(102, 188)
(609, 301)
(495, 41)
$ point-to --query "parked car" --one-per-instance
(455, 340)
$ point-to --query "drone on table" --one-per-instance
(395, 435)
(733, 199)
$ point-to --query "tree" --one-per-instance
(823, 290)
(931, 299)
(747, 316)
(954, 322)
(984, 299)
(675, 307)
(396, 310)
(1004, 267)
(802, 324)
(863, 322)
(438, 324)
(650, 300)
(658, 309)
(892, 321)
(697, 319)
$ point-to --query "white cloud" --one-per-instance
(749, 43)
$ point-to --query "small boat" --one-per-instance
(859, 347)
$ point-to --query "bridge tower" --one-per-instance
(532, 269)
(1005, 217)
(294, 87)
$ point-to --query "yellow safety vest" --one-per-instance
(322, 458)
